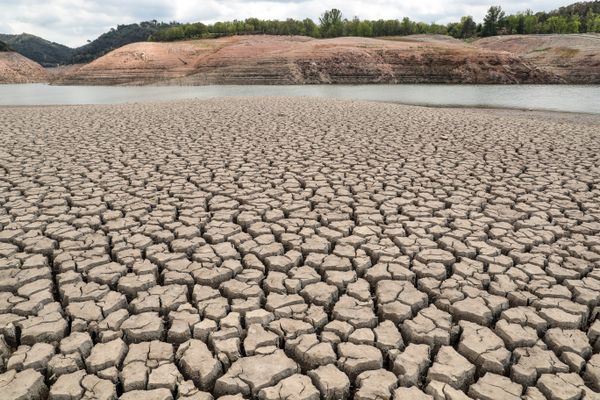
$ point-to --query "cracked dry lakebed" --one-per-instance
(298, 249)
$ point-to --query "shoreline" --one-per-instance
(336, 99)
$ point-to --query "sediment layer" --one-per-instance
(302, 60)
(574, 58)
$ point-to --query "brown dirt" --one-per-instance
(15, 68)
(299, 60)
(575, 58)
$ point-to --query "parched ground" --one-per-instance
(278, 248)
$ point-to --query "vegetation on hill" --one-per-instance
(4, 46)
(37, 49)
(576, 18)
(115, 38)
(50, 54)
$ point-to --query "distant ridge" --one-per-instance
(42, 51)
(4, 46)
(51, 54)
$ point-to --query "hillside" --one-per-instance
(4, 46)
(574, 58)
(115, 38)
(15, 68)
(37, 49)
(300, 60)
(50, 54)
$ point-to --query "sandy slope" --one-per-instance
(15, 68)
(575, 58)
(297, 60)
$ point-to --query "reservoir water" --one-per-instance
(569, 98)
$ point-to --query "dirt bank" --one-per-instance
(15, 68)
(302, 60)
(574, 58)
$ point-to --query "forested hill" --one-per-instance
(115, 38)
(4, 46)
(39, 50)
(50, 54)
(575, 18)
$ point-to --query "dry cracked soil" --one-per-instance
(298, 249)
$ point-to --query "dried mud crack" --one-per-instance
(278, 248)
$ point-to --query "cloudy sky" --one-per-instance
(74, 22)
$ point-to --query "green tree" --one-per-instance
(310, 28)
(574, 24)
(468, 27)
(492, 21)
(331, 23)
(556, 24)
(594, 24)
(530, 23)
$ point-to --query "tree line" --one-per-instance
(576, 18)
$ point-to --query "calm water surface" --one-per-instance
(572, 98)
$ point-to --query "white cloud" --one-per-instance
(72, 23)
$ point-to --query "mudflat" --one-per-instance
(297, 248)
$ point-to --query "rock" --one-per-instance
(357, 313)
(398, 300)
(309, 352)
(571, 340)
(36, 357)
(249, 375)
(474, 310)
(295, 387)
(561, 386)
(483, 348)
(188, 391)
(258, 337)
(451, 368)
(331, 382)
(387, 337)
(143, 327)
(411, 364)
(78, 385)
(105, 355)
(530, 363)
(495, 387)
(197, 364)
(411, 393)
(24, 385)
(47, 328)
(156, 394)
(164, 376)
(443, 391)
(435, 256)
(592, 372)
(355, 359)
(431, 326)
(77, 342)
(516, 335)
(375, 384)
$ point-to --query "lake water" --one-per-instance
(571, 98)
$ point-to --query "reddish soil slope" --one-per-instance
(575, 58)
(298, 60)
(15, 68)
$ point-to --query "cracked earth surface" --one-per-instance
(298, 249)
